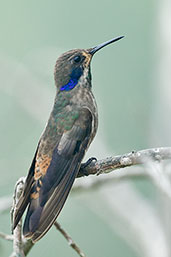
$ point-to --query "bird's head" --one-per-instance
(74, 65)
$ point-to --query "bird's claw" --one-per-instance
(83, 171)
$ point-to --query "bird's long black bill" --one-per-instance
(97, 48)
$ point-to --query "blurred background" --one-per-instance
(131, 82)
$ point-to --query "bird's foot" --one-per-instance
(83, 171)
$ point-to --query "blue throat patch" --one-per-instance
(70, 85)
(74, 77)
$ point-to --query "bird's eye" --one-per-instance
(77, 58)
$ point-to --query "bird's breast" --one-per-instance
(84, 98)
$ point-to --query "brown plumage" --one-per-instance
(70, 130)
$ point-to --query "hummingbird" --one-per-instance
(70, 130)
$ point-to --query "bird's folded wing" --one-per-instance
(49, 192)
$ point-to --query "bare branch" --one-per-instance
(17, 242)
(121, 161)
(69, 239)
(21, 246)
(6, 237)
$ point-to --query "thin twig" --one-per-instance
(69, 239)
(121, 161)
(17, 242)
(6, 237)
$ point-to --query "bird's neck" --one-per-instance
(76, 96)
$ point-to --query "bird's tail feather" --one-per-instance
(39, 220)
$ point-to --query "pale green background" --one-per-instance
(32, 35)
